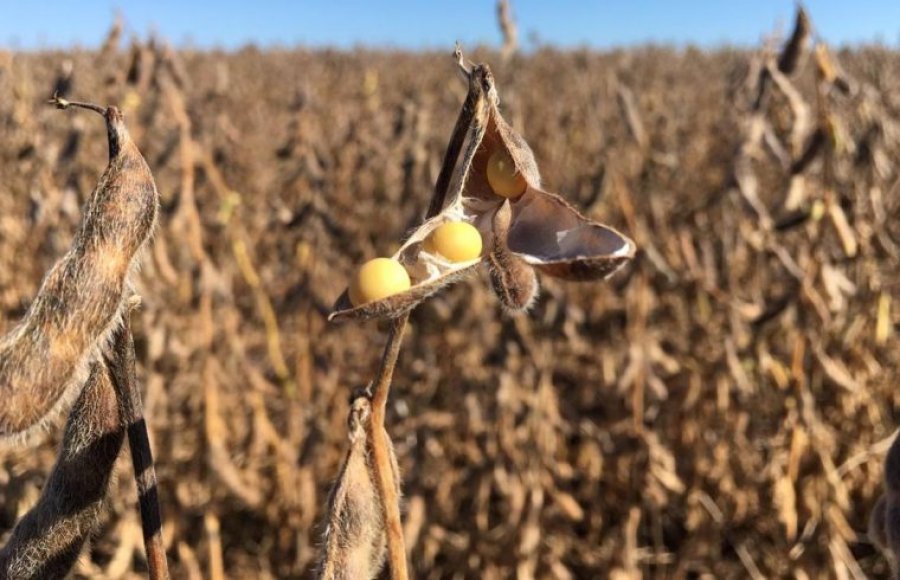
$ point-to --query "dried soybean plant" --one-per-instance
(75, 342)
(508, 29)
(489, 209)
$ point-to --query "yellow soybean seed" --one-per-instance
(503, 176)
(377, 279)
(455, 241)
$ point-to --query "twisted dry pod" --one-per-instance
(44, 359)
(542, 232)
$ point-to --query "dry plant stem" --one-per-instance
(63, 104)
(381, 454)
(508, 28)
(121, 366)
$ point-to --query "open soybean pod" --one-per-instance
(544, 230)
(498, 172)
(428, 270)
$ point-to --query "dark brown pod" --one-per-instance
(795, 48)
(892, 525)
(512, 279)
(892, 468)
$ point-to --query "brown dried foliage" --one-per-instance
(719, 408)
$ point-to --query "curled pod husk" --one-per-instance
(545, 231)
(81, 298)
(513, 280)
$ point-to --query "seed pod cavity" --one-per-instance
(491, 136)
(428, 272)
(545, 231)
(548, 233)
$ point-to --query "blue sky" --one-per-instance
(437, 24)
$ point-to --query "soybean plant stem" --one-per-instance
(61, 103)
(385, 477)
(121, 365)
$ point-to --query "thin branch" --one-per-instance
(121, 367)
(381, 453)
(61, 103)
(466, 69)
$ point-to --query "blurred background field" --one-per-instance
(720, 408)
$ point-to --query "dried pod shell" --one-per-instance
(355, 541)
(428, 273)
(394, 306)
(828, 71)
(80, 300)
(513, 280)
(545, 230)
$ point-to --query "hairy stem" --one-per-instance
(121, 365)
(381, 453)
